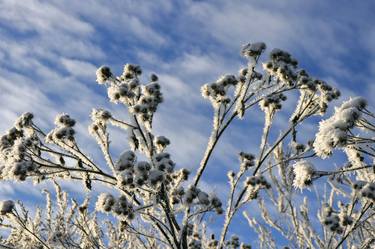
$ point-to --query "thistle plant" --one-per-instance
(152, 202)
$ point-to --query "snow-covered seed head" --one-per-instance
(298, 148)
(190, 194)
(6, 207)
(64, 120)
(345, 220)
(62, 133)
(126, 161)
(100, 115)
(155, 176)
(233, 242)
(358, 185)
(333, 132)
(25, 120)
(368, 191)
(143, 166)
(213, 243)
(331, 220)
(257, 181)
(253, 49)
(125, 178)
(185, 174)
(20, 169)
(216, 92)
(122, 207)
(245, 246)
(103, 74)
(161, 142)
(272, 103)
(215, 201)
(163, 162)
(203, 198)
(303, 173)
(105, 202)
(131, 70)
(246, 160)
(154, 78)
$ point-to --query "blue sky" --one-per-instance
(49, 52)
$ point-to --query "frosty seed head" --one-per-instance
(6, 207)
(64, 120)
(100, 115)
(303, 173)
(154, 78)
(333, 132)
(103, 74)
(105, 202)
(253, 49)
(25, 120)
(127, 160)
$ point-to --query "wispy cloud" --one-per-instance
(49, 51)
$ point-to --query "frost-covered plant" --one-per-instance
(149, 201)
(303, 174)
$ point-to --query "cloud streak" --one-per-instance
(49, 51)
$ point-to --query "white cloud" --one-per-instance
(42, 17)
(49, 52)
(79, 68)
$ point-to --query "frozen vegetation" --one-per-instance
(157, 204)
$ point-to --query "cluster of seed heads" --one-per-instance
(64, 129)
(272, 102)
(233, 242)
(246, 160)
(120, 206)
(334, 131)
(132, 173)
(213, 242)
(336, 221)
(217, 92)
(366, 189)
(141, 100)
(197, 196)
(257, 181)
(327, 93)
(24, 121)
(283, 66)
(17, 148)
(148, 102)
(243, 74)
(195, 241)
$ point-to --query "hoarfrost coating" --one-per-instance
(150, 201)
